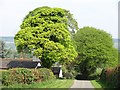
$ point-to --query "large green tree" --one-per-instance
(95, 49)
(45, 31)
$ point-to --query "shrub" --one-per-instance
(103, 75)
(6, 78)
(111, 76)
(95, 75)
(68, 75)
(69, 71)
(26, 76)
(46, 74)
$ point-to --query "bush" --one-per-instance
(68, 75)
(26, 76)
(46, 74)
(95, 75)
(103, 75)
(69, 71)
(111, 76)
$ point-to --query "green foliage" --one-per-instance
(26, 76)
(69, 71)
(6, 52)
(100, 84)
(113, 60)
(55, 83)
(111, 76)
(95, 49)
(45, 31)
(95, 75)
(46, 74)
(119, 57)
(3, 51)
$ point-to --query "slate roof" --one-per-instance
(4, 64)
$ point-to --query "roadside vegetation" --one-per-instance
(56, 83)
(49, 34)
(32, 78)
(109, 78)
(95, 51)
(99, 84)
(26, 76)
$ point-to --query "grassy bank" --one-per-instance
(99, 84)
(59, 83)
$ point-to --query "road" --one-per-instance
(82, 84)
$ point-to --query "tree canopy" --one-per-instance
(95, 49)
(45, 32)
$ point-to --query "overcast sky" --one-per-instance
(102, 14)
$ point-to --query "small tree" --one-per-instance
(95, 49)
(45, 31)
(3, 51)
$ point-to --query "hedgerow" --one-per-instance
(111, 76)
(26, 76)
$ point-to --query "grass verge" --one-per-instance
(96, 84)
(99, 84)
(57, 83)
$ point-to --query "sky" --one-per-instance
(101, 14)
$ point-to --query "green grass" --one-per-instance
(96, 84)
(58, 83)
(99, 84)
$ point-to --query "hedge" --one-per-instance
(26, 76)
(111, 76)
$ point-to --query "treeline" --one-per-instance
(8, 53)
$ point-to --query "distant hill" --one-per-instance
(10, 42)
(7, 39)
